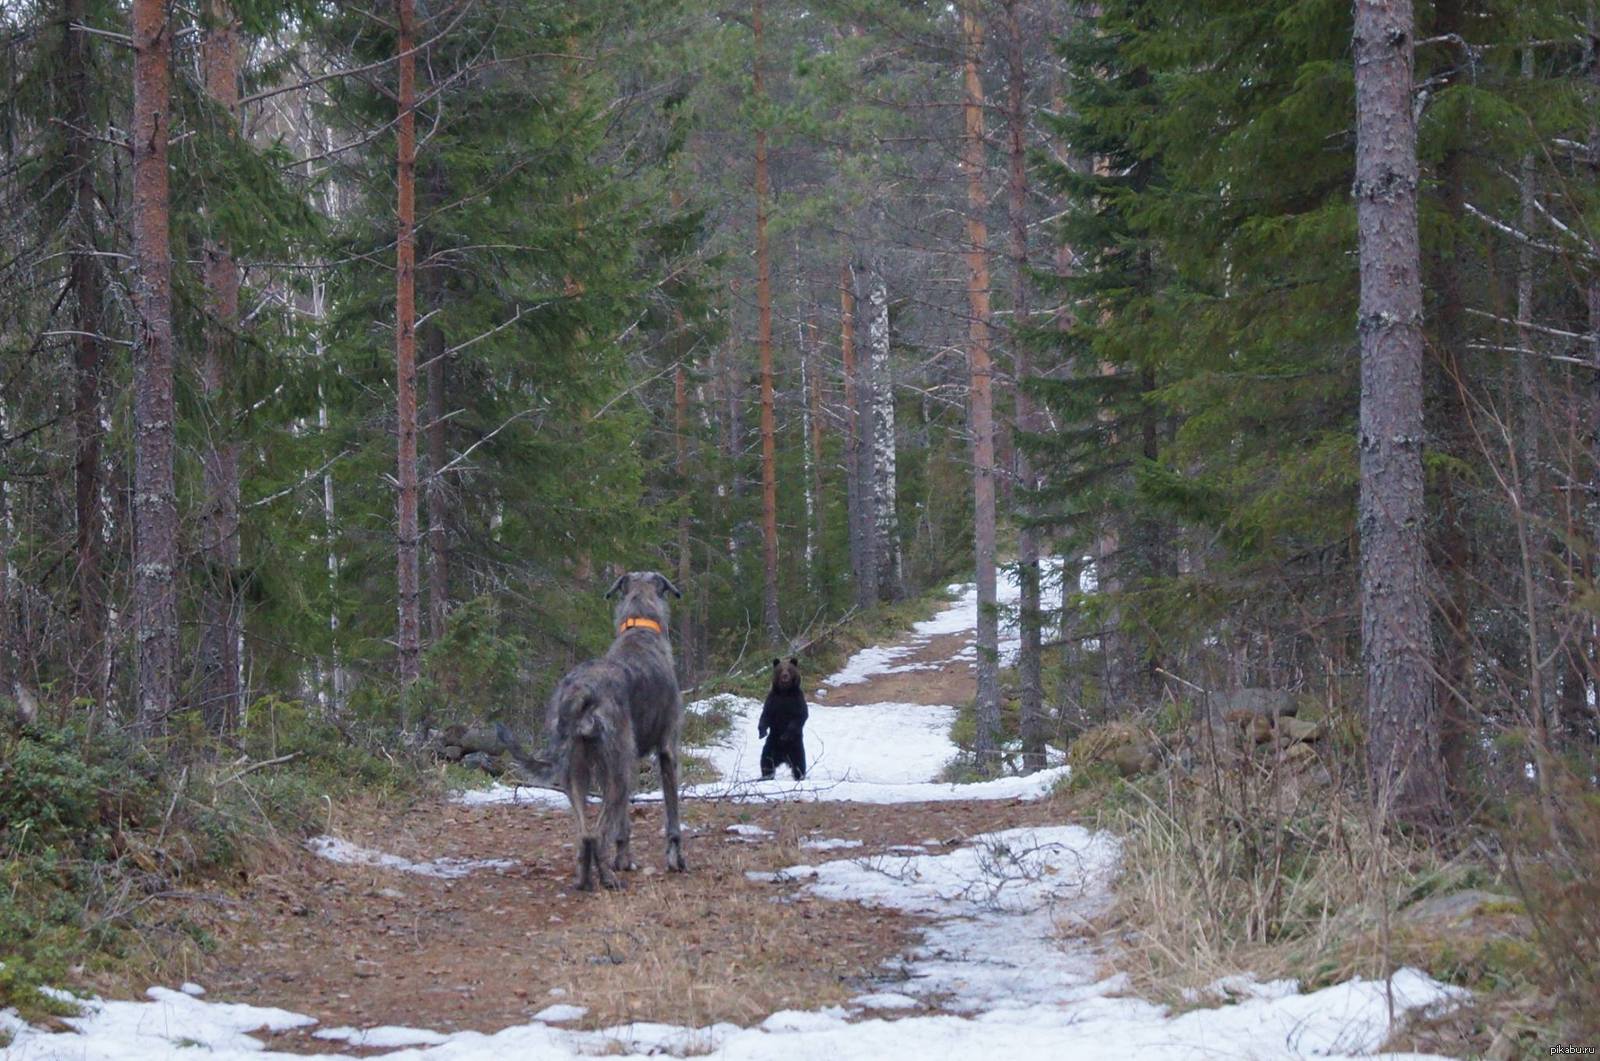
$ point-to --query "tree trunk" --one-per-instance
(769, 456)
(407, 575)
(856, 498)
(219, 520)
(879, 376)
(680, 425)
(1031, 722)
(809, 483)
(92, 671)
(155, 499)
(1404, 765)
(981, 406)
(1450, 548)
(438, 486)
(814, 432)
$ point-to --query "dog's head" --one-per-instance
(642, 595)
(786, 675)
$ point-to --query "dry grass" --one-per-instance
(1255, 867)
(1561, 887)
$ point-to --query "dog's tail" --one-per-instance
(543, 771)
(582, 715)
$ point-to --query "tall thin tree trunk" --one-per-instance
(407, 575)
(879, 375)
(92, 671)
(808, 486)
(1404, 765)
(981, 406)
(1446, 409)
(1540, 676)
(769, 452)
(680, 426)
(814, 404)
(155, 497)
(219, 520)
(856, 503)
(433, 347)
(1031, 722)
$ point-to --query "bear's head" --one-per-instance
(786, 675)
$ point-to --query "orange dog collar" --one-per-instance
(648, 624)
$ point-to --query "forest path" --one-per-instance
(868, 912)
(367, 945)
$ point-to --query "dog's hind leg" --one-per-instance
(667, 760)
(615, 829)
(584, 819)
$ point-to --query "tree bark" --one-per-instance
(981, 404)
(769, 457)
(1404, 765)
(433, 346)
(407, 575)
(813, 355)
(155, 499)
(856, 498)
(680, 425)
(1450, 547)
(1031, 722)
(218, 686)
(879, 376)
(91, 673)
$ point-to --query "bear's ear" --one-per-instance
(794, 661)
(777, 662)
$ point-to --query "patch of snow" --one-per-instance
(961, 617)
(336, 850)
(829, 844)
(154, 1030)
(192, 989)
(560, 1012)
(383, 1037)
(749, 834)
(885, 1000)
(1242, 986)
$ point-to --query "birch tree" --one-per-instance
(879, 390)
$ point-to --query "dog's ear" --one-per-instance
(664, 585)
(616, 586)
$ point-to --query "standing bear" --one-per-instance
(784, 714)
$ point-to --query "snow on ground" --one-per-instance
(875, 753)
(993, 960)
(961, 617)
(336, 850)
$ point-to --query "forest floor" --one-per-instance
(867, 911)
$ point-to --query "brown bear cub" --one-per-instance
(784, 715)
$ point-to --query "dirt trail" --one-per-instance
(363, 946)
(941, 676)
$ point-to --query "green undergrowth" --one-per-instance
(109, 846)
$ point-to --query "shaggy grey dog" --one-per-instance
(607, 714)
